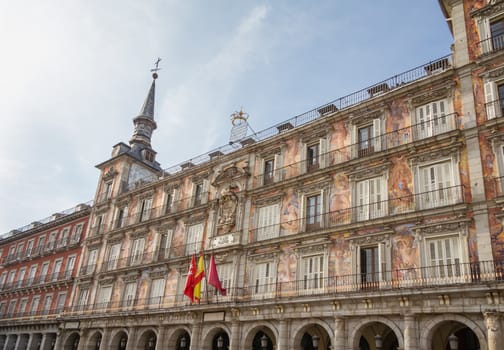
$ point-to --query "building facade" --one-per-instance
(372, 222)
(38, 267)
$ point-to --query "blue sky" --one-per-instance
(75, 74)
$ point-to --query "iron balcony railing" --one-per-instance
(494, 109)
(31, 314)
(425, 129)
(132, 260)
(426, 70)
(434, 276)
(56, 277)
(491, 45)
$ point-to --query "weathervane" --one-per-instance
(155, 75)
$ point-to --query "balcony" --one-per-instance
(491, 45)
(98, 229)
(494, 109)
(421, 278)
(421, 131)
(9, 317)
(54, 278)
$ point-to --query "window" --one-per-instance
(157, 291)
(198, 193)
(312, 273)
(10, 281)
(443, 258)
(69, 266)
(436, 185)
(64, 237)
(12, 252)
(22, 306)
(83, 298)
(98, 226)
(77, 232)
(115, 251)
(104, 295)
(21, 276)
(369, 267)
(313, 212)
(31, 275)
(194, 237)
(91, 262)
(268, 222)
(47, 304)
(312, 157)
(108, 190)
(29, 248)
(60, 302)
(369, 138)
(52, 241)
(129, 293)
(12, 307)
(497, 34)
(19, 250)
(165, 245)
(145, 209)
(494, 99)
(264, 279)
(432, 119)
(43, 272)
(370, 198)
(137, 251)
(168, 203)
(225, 272)
(3, 277)
(41, 244)
(56, 270)
(3, 306)
(122, 217)
(34, 305)
(269, 165)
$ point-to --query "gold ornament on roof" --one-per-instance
(238, 118)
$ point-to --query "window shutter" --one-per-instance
(323, 153)
(484, 29)
(175, 199)
(205, 189)
(260, 180)
(277, 167)
(490, 99)
(377, 135)
(303, 165)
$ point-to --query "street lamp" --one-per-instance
(264, 342)
(315, 342)
(220, 342)
(98, 343)
(453, 341)
(122, 344)
(378, 342)
(151, 343)
(183, 342)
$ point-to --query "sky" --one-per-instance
(74, 74)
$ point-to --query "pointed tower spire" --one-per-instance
(144, 124)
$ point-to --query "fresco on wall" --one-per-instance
(143, 285)
(405, 253)
(171, 285)
(291, 159)
(398, 124)
(289, 213)
(178, 239)
(339, 143)
(400, 184)
(472, 31)
(464, 176)
(340, 202)
(340, 258)
(472, 243)
(287, 269)
(497, 233)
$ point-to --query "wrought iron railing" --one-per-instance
(52, 278)
(491, 45)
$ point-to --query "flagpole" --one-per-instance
(206, 277)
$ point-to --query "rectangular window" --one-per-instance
(29, 248)
(432, 119)
(436, 185)
(365, 135)
(3, 278)
(129, 294)
(312, 157)
(225, 272)
(77, 232)
(22, 306)
(56, 270)
(83, 298)
(47, 304)
(157, 291)
(145, 209)
(497, 34)
(91, 262)
(168, 203)
(494, 99)
(41, 245)
(12, 307)
(194, 237)
(34, 305)
(122, 217)
(137, 251)
(64, 237)
(264, 282)
(3, 306)
(268, 173)
(113, 258)
(43, 272)
(198, 193)
(21, 276)
(19, 250)
(370, 199)
(104, 297)
(443, 256)
(165, 245)
(313, 212)
(12, 252)
(10, 281)
(60, 302)
(51, 242)
(268, 222)
(31, 275)
(369, 267)
(312, 273)
(70, 266)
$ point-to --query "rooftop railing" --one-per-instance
(434, 276)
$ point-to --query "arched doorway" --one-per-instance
(184, 341)
(451, 335)
(220, 341)
(377, 335)
(147, 341)
(119, 341)
(95, 342)
(262, 342)
(72, 342)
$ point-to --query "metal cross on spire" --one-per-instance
(154, 75)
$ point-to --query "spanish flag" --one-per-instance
(200, 273)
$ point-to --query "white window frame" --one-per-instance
(194, 236)
(313, 272)
(103, 297)
(384, 247)
(11, 308)
(157, 290)
(77, 233)
(41, 244)
(145, 210)
(65, 235)
(29, 248)
(322, 156)
(129, 294)
(32, 274)
(3, 279)
(51, 242)
(487, 43)
(113, 256)
(263, 279)
(433, 118)
(70, 265)
(48, 299)
(437, 184)
(44, 270)
(23, 303)
(376, 139)
(268, 221)
(21, 276)
(83, 297)
(19, 250)
(276, 173)
(165, 244)
(10, 280)
(60, 302)
(371, 198)
(35, 304)
(137, 251)
(226, 276)
(56, 270)
(492, 99)
(323, 209)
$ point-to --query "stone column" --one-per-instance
(410, 333)
(59, 339)
(132, 339)
(195, 336)
(105, 339)
(339, 333)
(43, 341)
(494, 333)
(161, 339)
(283, 336)
(234, 344)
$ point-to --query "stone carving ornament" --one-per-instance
(228, 204)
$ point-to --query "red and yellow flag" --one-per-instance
(200, 273)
